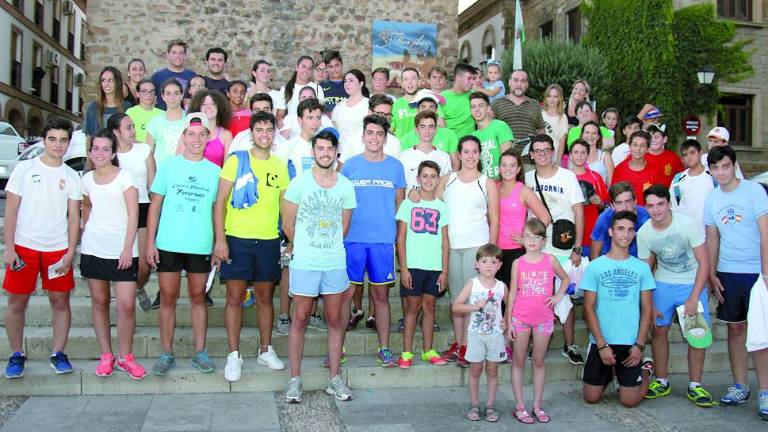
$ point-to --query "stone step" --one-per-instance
(360, 372)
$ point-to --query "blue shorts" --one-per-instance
(377, 259)
(667, 297)
(423, 281)
(737, 286)
(312, 283)
(252, 260)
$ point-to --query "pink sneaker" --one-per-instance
(106, 365)
(128, 364)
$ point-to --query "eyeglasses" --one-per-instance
(383, 114)
(528, 236)
(147, 92)
(542, 151)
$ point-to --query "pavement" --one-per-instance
(391, 410)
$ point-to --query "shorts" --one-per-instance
(252, 260)
(24, 281)
(461, 268)
(489, 347)
(596, 373)
(312, 283)
(542, 328)
(92, 267)
(377, 259)
(143, 212)
(508, 257)
(667, 297)
(737, 286)
(423, 281)
(285, 259)
(175, 262)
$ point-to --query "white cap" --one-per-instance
(424, 94)
(196, 117)
(720, 133)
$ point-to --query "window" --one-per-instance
(39, 14)
(71, 33)
(70, 89)
(56, 20)
(82, 40)
(38, 72)
(737, 118)
(19, 4)
(16, 44)
(489, 43)
(574, 24)
(465, 53)
(55, 86)
(546, 30)
(735, 9)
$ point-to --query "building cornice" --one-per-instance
(37, 102)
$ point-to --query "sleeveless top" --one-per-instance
(214, 150)
(135, 162)
(488, 319)
(535, 283)
(512, 215)
(599, 165)
(468, 210)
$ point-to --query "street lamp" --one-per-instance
(706, 75)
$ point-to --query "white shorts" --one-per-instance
(489, 347)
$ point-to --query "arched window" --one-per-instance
(465, 53)
(489, 42)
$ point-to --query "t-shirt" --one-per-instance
(735, 215)
(574, 133)
(618, 285)
(600, 230)
(412, 157)
(45, 191)
(488, 319)
(186, 219)
(278, 101)
(93, 124)
(334, 94)
(167, 135)
(591, 211)
(161, 76)
(673, 247)
(319, 236)
(221, 85)
(496, 84)
(349, 121)
(491, 138)
(104, 234)
(458, 114)
(555, 127)
(258, 221)
(640, 180)
(243, 141)
(424, 235)
(619, 153)
(293, 104)
(240, 121)
(688, 194)
(561, 191)
(141, 119)
(135, 163)
(444, 139)
(524, 119)
(376, 185)
(291, 123)
(402, 117)
(356, 147)
(667, 163)
(299, 152)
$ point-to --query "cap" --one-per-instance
(194, 119)
(331, 130)
(426, 94)
(697, 332)
(655, 127)
(720, 133)
(652, 114)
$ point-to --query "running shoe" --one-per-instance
(452, 353)
(60, 363)
(270, 359)
(385, 357)
(318, 323)
(370, 323)
(156, 303)
(248, 299)
(106, 365)
(700, 397)
(460, 360)
(202, 362)
(357, 316)
(658, 390)
(762, 411)
(283, 324)
(128, 364)
(15, 368)
(233, 368)
(737, 395)
(163, 364)
(573, 354)
(433, 357)
(338, 389)
(295, 390)
(208, 300)
(144, 303)
(406, 360)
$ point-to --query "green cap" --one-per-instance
(698, 333)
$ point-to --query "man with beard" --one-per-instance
(520, 112)
(216, 59)
(176, 54)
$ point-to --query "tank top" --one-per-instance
(468, 209)
(488, 319)
(535, 283)
(599, 165)
(214, 149)
(512, 215)
(135, 162)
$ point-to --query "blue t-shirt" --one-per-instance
(186, 219)
(600, 231)
(92, 124)
(376, 184)
(221, 85)
(334, 94)
(618, 285)
(318, 242)
(159, 77)
(490, 85)
(735, 215)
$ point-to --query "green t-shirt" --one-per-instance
(141, 118)
(167, 135)
(444, 139)
(424, 238)
(458, 114)
(491, 138)
(402, 117)
(575, 132)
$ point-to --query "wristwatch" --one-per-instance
(639, 346)
(577, 249)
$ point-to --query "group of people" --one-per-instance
(324, 184)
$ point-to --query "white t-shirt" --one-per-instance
(619, 153)
(243, 141)
(135, 162)
(739, 174)
(297, 151)
(293, 104)
(468, 210)
(693, 192)
(45, 191)
(104, 233)
(349, 121)
(391, 148)
(561, 191)
(411, 158)
(554, 126)
(291, 123)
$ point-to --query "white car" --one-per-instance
(74, 157)
(11, 146)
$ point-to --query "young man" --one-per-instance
(736, 216)
(622, 199)
(560, 190)
(145, 111)
(260, 102)
(458, 116)
(180, 237)
(176, 55)
(381, 106)
(402, 112)
(379, 183)
(41, 228)
(333, 87)
(632, 124)
(521, 113)
(674, 248)
(719, 137)
(444, 139)
(635, 169)
(216, 60)
(666, 162)
(426, 124)
(618, 311)
(317, 211)
(690, 188)
(438, 79)
(494, 135)
(261, 81)
(247, 238)
(379, 82)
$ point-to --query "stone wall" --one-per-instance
(278, 30)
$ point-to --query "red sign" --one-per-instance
(692, 125)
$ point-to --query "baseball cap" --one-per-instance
(652, 114)
(698, 333)
(720, 133)
(331, 130)
(661, 128)
(196, 118)
(426, 94)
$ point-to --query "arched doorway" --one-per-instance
(35, 126)
(16, 119)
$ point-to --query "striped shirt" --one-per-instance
(524, 119)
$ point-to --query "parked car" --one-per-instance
(11, 146)
(74, 157)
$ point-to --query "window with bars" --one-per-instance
(736, 116)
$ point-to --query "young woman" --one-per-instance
(196, 85)
(586, 114)
(109, 101)
(241, 112)
(348, 115)
(555, 120)
(164, 131)
(579, 93)
(610, 120)
(302, 76)
(136, 72)
(599, 161)
(215, 108)
(110, 253)
(596, 195)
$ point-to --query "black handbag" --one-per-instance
(563, 230)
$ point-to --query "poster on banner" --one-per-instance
(399, 45)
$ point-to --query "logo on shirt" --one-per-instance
(35, 178)
(731, 217)
(62, 183)
(272, 180)
(668, 169)
(192, 179)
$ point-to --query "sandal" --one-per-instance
(473, 414)
(491, 415)
(523, 417)
(541, 416)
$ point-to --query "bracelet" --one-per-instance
(603, 347)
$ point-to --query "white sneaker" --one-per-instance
(234, 367)
(270, 359)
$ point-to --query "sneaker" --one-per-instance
(433, 357)
(762, 411)
(385, 357)
(341, 361)
(202, 362)
(60, 363)
(163, 364)
(460, 360)
(401, 325)
(208, 300)
(700, 397)
(15, 368)
(128, 364)
(370, 323)
(295, 390)
(318, 323)
(436, 327)
(338, 389)
(452, 353)
(283, 324)
(357, 316)
(156, 303)
(144, 303)
(658, 390)
(106, 365)
(737, 395)
(248, 299)
(406, 360)
(647, 365)
(270, 359)
(573, 354)
(234, 366)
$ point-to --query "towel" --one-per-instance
(245, 193)
(757, 317)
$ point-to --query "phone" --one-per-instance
(18, 264)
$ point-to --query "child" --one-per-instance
(493, 85)
(422, 231)
(610, 120)
(485, 332)
(530, 314)
(110, 252)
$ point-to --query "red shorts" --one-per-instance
(25, 280)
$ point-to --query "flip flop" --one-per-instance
(473, 414)
(523, 417)
(541, 416)
(491, 415)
